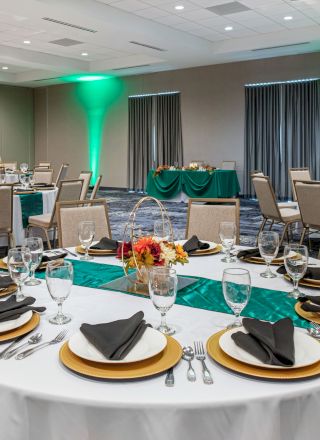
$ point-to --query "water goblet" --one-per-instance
(2, 175)
(86, 231)
(236, 286)
(296, 264)
(59, 279)
(268, 242)
(163, 283)
(19, 267)
(227, 234)
(35, 245)
(162, 229)
(24, 167)
(23, 180)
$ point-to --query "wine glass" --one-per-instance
(86, 231)
(35, 245)
(296, 264)
(163, 283)
(236, 286)
(23, 180)
(59, 279)
(227, 234)
(162, 229)
(268, 242)
(24, 167)
(19, 267)
(2, 176)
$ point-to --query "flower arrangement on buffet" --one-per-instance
(193, 166)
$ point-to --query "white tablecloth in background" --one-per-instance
(41, 400)
(12, 178)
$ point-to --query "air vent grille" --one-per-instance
(131, 67)
(64, 23)
(280, 47)
(66, 42)
(228, 8)
(148, 46)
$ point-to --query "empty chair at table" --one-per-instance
(44, 165)
(70, 214)
(12, 166)
(62, 173)
(86, 177)
(205, 215)
(96, 187)
(6, 207)
(228, 165)
(43, 176)
(67, 190)
(308, 196)
(269, 208)
(295, 174)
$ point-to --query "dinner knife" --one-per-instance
(169, 382)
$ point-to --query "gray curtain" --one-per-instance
(169, 145)
(140, 141)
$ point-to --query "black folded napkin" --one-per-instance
(310, 303)
(312, 273)
(256, 253)
(193, 244)
(24, 189)
(272, 344)
(12, 309)
(115, 339)
(43, 185)
(5, 281)
(53, 255)
(106, 244)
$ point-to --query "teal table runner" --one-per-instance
(216, 184)
(206, 294)
(31, 204)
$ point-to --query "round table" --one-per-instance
(40, 399)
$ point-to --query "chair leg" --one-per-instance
(283, 233)
(264, 221)
(303, 235)
(271, 225)
(47, 238)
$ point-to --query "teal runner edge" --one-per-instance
(31, 204)
(206, 294)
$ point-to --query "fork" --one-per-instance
(315, 326)
(200, 355)
(60, 336)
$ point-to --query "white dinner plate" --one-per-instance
(15, 323)
(151, 344)
(212, 245)
(307, 350)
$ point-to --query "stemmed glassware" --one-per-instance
(296, 264)
(23, 180)
(162, 229)
(236, 286)
(35, 245)
(268, 242)
(59, 279)
(227, 234)
(24, 167)
(163, 283)
(86, 231)
(2, 176)
(19, 267)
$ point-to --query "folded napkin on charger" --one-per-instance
(53, 255)
(310, 303)
(43, 185)
(115, 339)
(5, 281)
(313, 273)
(106, 244)
(255, 253)
(193, 244)
(272, 344)
(11, 309)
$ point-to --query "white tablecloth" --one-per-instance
(42, 400)
(12, 178)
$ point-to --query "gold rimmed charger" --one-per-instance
(169, 357)
(307, 282)
(309, 316)
(8, 290)
(219, 356)
(260, 260)
(23, 330)
(17, 192)
(201, 253)
(96, 252)
(3, 264)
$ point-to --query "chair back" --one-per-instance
(6, 205)
(10, 165)
(308, 196)
(228, 165)
(298, 174)
(43, 176)
(70, 214)
(67, 190)
(205, 215)
(266, 197)
(62, 173)
(256, 173)
(44, 164)
(96, 187)
(86, 177)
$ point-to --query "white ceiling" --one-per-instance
(190, 37)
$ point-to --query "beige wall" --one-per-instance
(212, 114)
(16, 124)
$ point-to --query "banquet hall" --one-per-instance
(159, 219)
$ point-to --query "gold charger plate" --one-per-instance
(169, 357)
(24, 192)
(307, 282)
(309, 316)
(259, 260)
(102, 252)
(216, 250)
(42, 266)
(8, 290)
(23, 330)
(219, 356)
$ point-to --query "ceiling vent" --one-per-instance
(228, 8)
(64, 23)
(66, 42)
(280, 47)
(130, 67)
(148, 46)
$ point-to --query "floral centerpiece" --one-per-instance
(193, 166)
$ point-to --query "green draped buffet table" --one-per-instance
(178, 184)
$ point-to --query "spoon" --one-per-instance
(188, 355)
(34, 339)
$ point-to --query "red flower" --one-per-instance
(127, 250)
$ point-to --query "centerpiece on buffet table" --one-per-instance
(193, 166)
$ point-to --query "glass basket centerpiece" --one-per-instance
(144, 251)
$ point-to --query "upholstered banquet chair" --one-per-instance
(96, 187)
(308, 196)
(43, 176)
(44, 164)
(67, 190)
(70, 214)
(6, 206)
(86, 177)
(302, 174)
(228, 165)
(269, 207)
(205, 215)
(62, 173)
(10, 165)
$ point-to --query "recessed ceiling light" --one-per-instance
(179, 7)
(5, 68)
(288, 17)
(84, 54)
(26, 42)
(228, 28)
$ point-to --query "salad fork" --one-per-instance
(60, 336)
(200, 355)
